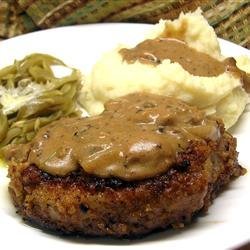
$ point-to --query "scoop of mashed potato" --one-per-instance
(222, 95)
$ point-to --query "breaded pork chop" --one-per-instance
(80, 202)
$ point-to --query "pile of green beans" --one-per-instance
(57, 98)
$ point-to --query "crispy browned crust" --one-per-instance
(83, 204)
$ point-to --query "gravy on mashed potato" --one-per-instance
(154, 51)
(179, 58)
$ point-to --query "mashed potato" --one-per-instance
(222, 95)
(194, 29)
(243, 62)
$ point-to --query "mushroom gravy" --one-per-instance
(138, 136)
(154, 51)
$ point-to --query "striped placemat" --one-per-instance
(230, 18)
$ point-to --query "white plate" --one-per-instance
(227, 221)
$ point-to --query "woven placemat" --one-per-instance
(230, 18)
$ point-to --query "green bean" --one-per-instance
(11, 134)
(39, 74)
(29, 136)
(4, 125)
(56, 99)
(7, 70)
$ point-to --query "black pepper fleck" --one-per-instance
(183, 166)
(84, 208)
